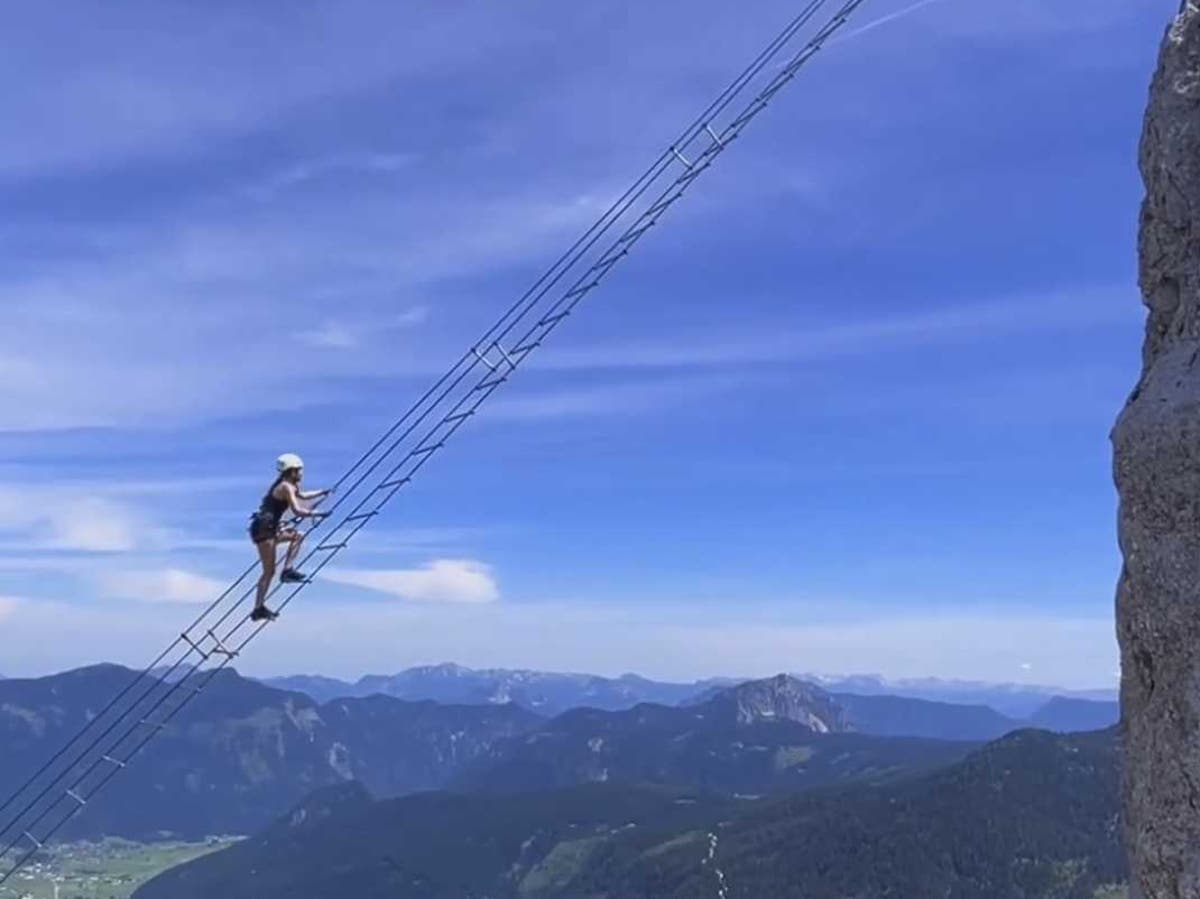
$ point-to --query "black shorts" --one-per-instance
(263, 527)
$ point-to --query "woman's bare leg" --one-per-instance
(295, 539)
(266, 555)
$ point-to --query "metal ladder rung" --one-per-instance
(730, 137)
(361, 516)
(715, 139)
(221, 647)
(500, 350)
(486, 385)
(153, 725)
(630, 236)
(579, 291)
(662, 206)
(771, 90)
(32, 839)
(527, 348)
(458, 416)
(330, 547)
(749, 113)
(559, 316)
(398, 482)
(82, 802)
(190, 642)
(740, 122)
(605, 263)
(483, 358)
(680, 157)
(112, 761)
(426, 450)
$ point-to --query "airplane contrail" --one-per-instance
(871, 26)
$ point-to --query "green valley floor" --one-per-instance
(110, 869)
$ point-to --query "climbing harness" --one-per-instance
(68, 781)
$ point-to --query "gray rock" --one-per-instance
(1156, 444)
(783, 698)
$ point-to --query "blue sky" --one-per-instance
(846, 411)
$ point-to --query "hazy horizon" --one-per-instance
(816, 676)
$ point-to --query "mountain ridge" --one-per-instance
(242, 751)
(769, 736)
(551, 693)
(958, 831)
(245, 750)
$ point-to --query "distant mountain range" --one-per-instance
(1000, 707)
(542, 692)
(1033, 815)
(244, 751)
(241, 752)
(761, 737)
(1017, 701)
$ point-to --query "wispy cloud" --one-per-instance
(8, 605)
(230, 287)
(623, 398)
(339, 166)
(439, 581)
(342, 335)
(170, 585)
(128, 98)
(330, 335)
(98, 526)
(964, 320)
(62, 519)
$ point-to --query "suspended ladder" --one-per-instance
(106, 745)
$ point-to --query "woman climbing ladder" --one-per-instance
(267, 529)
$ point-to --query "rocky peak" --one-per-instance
(782, 698)
(1157, 472)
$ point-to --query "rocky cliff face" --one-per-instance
(1157, 471)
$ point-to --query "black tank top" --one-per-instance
(272, 507)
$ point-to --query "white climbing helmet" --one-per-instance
(288, 461)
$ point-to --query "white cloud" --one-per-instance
(58, 518)
(170, 585)
(408, 318)
(217, 274)
(439, 581)
(95, 525)
(340, 335)
(351, 163)
(331, 335)
(8, 605)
